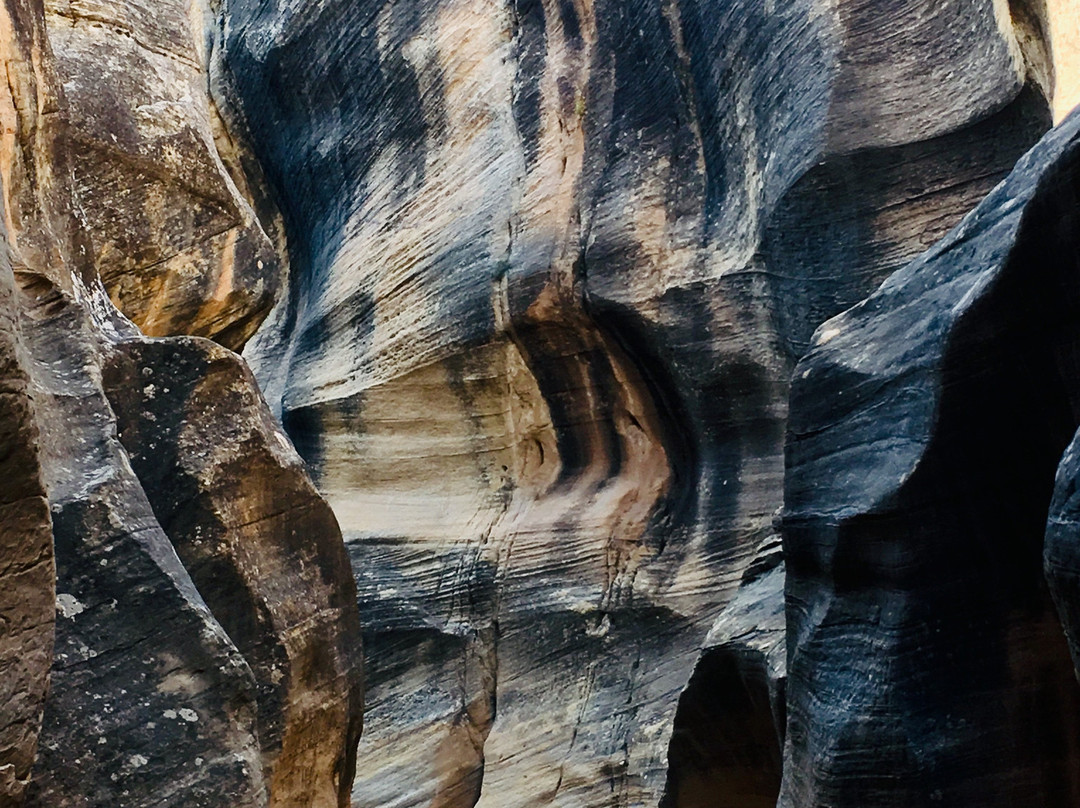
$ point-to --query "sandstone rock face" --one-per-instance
(926, 425)
(171, 218)
(728, 732)
(175, 705)
(1049, 33)
(552, 265)
(648, 496)
(27, 574)
(143, 697)
(262, 548)
(165, 702)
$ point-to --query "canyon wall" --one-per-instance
(926, 660)
(179, 623)
(648, 403)
(552, 266)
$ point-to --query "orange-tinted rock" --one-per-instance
(160, 181)
(262, 547)
(149, 701)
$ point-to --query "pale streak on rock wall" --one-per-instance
(1062, 32)
(1048, 33)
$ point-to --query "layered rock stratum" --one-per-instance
(641, 403)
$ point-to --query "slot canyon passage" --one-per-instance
(521, 403)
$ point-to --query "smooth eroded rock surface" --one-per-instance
(925, 661)
(552, 264)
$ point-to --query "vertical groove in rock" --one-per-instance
(727, 743)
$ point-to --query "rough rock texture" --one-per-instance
(165, 703)
(27, 572)
(150, 701)
(541, 278)
(131, 629)
(1048, 31)
(925, 661)
(552, 264)
(160, 180)
(261, 546)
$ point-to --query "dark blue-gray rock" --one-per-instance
(1061, 552)
(925, 661)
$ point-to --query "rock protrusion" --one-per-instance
(171, 222)
(262, 547)
(149, 702)
(925, 663)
